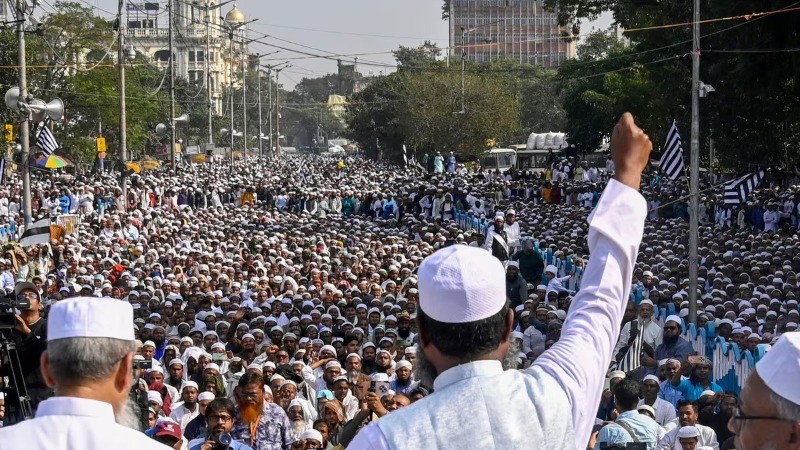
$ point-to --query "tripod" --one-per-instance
(9, 355)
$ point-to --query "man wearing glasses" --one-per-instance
(260, 424)
(220, 417)
(672, 346)
(768, 416)
(30, 337)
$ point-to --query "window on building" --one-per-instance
(162, 55)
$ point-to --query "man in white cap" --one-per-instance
(497, 239)
(768, 416)
(88, 362)
(511, 228)
(465, 328)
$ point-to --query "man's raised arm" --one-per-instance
(580, 359)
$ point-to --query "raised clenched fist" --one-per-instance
(630, 150)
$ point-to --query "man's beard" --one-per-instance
(403, 333)
(671, 339)
(251, 413)
(425, 373)
(298, 426)
(129, 415)
(352, 375)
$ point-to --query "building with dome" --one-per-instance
(200, 28)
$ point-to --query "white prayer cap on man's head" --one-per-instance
(90, 317)
(688, 432)
(460, 284)
(647, 408)
(646, 301)
(512, 264)
(650, 377)
(205, 395)
(551, 268)
(311, 434)
(154, 396)
(616, 374)
(401, 364)
(676, 319)
(780, 367)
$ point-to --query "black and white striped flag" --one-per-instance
(46, 141)
(672, 160)
(37, 233)
(2, 170)
(738, 190)
(405, 155)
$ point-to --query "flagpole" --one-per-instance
(694, 166)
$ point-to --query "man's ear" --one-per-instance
(122, 378)
(47, 374)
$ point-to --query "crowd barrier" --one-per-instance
(564, 266)
(731, 366)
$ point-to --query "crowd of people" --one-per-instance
(276, 303)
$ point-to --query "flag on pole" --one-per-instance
(672, 160)
(738, 190)
(37, 233)
(46, 141)
(2, 170)
(405, 155)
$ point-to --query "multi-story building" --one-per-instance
(200, 29)
(521, 30)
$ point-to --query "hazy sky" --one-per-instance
(372, 28)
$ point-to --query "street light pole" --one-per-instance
(123, 119)
(24, 126)
(694, 166)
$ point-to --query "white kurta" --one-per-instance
(69, 423)
(552, 403)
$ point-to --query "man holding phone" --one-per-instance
(220, 418)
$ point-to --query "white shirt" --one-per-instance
(665, 412)
(70, 423)
(552, 403)
(183, 416)
(707, 438)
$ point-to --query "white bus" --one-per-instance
(500, 159)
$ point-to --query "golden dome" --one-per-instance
(235, 16)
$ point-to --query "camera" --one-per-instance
(8, 307)
(223, 441)
(146, 364)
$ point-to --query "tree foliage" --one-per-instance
(752, 116)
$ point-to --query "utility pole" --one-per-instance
(694, 166)
(231, 93)
(463, 68)
(260, 131)
(278, 110)
(269, 95)
(171, 19)
(208, 77)
(123, 119)
(244, 95)
(24, 126)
